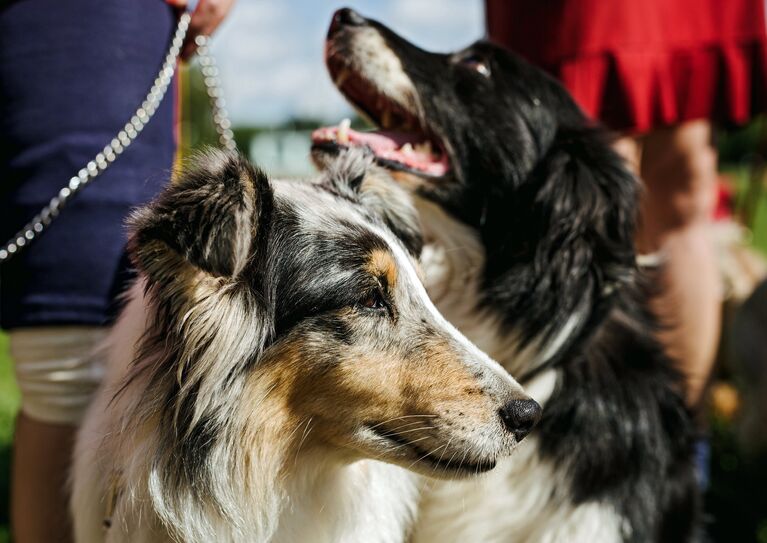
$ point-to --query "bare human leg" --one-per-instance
(57, 374)
(678, 167)
(39, 499)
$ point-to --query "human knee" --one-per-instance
(56, 371)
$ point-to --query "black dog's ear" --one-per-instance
(355, 176)
(210, 218)
(587, 200)
(565, 235)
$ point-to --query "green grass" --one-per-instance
(9, 404)
(759, 228)
(739, 175)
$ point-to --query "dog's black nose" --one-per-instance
(520, 416)
(348, 17)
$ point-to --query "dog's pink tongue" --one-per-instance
(377, 141)
(402, 147)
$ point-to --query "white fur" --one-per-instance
(381, 66)
(522, 500)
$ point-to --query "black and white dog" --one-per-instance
(529, 218)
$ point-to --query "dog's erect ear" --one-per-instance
(211, 218)
(354, 175)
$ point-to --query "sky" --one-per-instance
(270, 52)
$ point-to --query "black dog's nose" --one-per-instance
(348, 17)
(520, 416)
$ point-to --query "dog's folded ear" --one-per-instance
(355, 175)
(211, 217)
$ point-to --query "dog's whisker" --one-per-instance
(400, 418)
(463, 458)
(411, 441)
(398, 433)
(452, 456)
(405, 430)
(398, 429)
(428, 454)
(446, 466)
(447, 447)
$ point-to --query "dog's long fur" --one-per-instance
(278, 339)
(529, 252)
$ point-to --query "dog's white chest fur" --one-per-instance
(521, 500)
(525, 498)
(365, 501)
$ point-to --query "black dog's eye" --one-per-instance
(374, 300)
(476, 63)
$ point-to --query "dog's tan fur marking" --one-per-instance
(382, 264)
(364, 386)
(446, 384)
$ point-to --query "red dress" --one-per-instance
(642, 64)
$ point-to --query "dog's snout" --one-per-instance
(346, 17)
(520, 416)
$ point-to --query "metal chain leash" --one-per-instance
(130, 132)
(215, 95)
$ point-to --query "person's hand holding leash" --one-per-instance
(206, 17)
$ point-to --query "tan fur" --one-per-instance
(366, 386)
(382, 264)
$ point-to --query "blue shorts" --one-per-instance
(71, 74)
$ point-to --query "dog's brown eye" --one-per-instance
(374, 300)
(476, 63)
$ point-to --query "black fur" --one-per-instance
(556, 210)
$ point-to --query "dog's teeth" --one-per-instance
(343, 131)
(386, 118)
(342, 76)
(424, 147)
(407, 148)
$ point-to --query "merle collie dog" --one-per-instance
(529, 218)
(279, 373)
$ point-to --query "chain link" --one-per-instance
(215, 95)
(130, 132)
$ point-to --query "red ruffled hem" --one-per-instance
(638, 91)
(640, 65)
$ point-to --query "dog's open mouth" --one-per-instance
(438, 459)
(402, 143)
